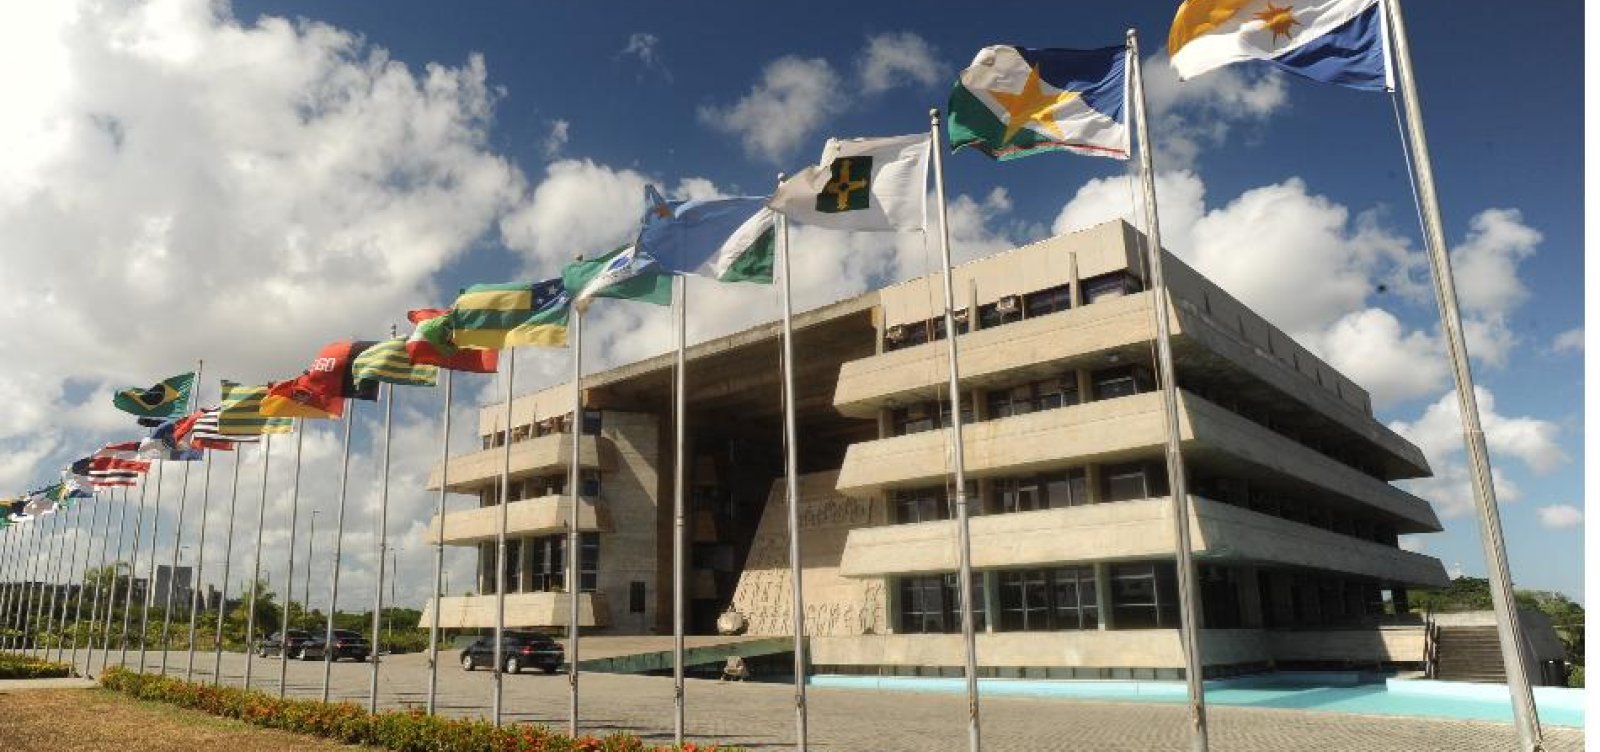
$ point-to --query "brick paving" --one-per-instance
(761, 716)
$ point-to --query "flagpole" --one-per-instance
(47, 605)
(105, 550)
(35, 590)
(575, 492)
(66, 596)
(964, 535)
(680, 477)
(14, 568)
(1188, 595)
(133, 567)
(1524, 710)
(88, 551)
(227, 569)
(288, 580)
(255, 571)
(6, 592)
(338, 548)
(24, 572)
(200, 563)
(438, 549)
(500, 545)
(172, 575)
(791, 443)
(383, 540)
(150, 580)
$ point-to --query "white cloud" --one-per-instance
(1374, 349)
(1187, 117)
(1485, 265)
(1560, 516)
(1437, 431)
(646, 48)
(793, 99)
(895, 59)
(1569, 341)
(556, 140)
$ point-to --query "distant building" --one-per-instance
(180, 581)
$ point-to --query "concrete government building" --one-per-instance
(1294, 519)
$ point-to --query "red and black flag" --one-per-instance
(320, 391)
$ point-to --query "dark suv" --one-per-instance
(520, 650)
(347, 643)
(293, 643)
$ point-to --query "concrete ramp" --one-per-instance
(638, 655)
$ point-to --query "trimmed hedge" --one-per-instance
(400, 730)
(23, 667)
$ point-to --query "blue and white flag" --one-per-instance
(1333, 41)
(726, 239)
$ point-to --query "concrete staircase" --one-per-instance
(1470, 654)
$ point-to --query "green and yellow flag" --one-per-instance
(388, 362)
(495, 317)
(169, 398)
(240, 413)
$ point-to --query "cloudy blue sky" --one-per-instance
(243, 182)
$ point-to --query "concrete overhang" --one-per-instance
(523, 610)
(1128, 530)
(542, 516)
(543, 454)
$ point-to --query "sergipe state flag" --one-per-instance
(1332, 41)
(1013, 102)
(726, 239)
(167, 399)
(433, 342)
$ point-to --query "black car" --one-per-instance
(293, 643)
(347, 643)
(520, 650)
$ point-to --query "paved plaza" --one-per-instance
(760, 716)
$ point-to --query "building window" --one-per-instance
(1137, 480)
(1047, 301)
(1057, 392)
(591, 422)
(521, 433)
(514, 566)
(901, 336)
(921, 505)
(999, 313)
(550, 563)
(1019, 495)
(912, 419)
(932, 604)
(1066, 489)
(1144, 595)
(1106, 286)
(1076, 599)
(1025, 600)
(937, 324)
(1124, 381)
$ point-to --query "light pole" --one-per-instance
(311, 539)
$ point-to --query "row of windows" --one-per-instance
(1052, 490)
(1142, 595)
(1046, 394)
(1013, 308)
(1258, 498)
(545, 559)
(548, 427)
(539, 486)
(1276, 422)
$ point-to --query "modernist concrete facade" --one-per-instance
(1294, 519)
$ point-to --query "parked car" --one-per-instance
(293, 643)
(520, 650)
(347, 643)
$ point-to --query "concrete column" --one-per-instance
(1102, 593)
(1249, 588)
(991, 603)
(1085, 385)
(1091, 474)
(891, 605)
(1076, 290)
(525, 552)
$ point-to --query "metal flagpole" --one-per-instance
(105, 550)
(288, 580)
(35, 589)
(71, 564)
(338, 548)
(500, 545)
(383, 541)
(680, 475)
(88, 551)
(1524, 710)
(47, 606)
(438, 551)
(150, 580)
(172, 574)
(116, 563)
(227, 570)
(964, 540)
(792, 487)
(575, 493)
(17, 556)
(255, 570)
(200, 564)
(26, 559)
(1188, 595)
(6, 591)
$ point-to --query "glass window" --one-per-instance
(591, 482)
(1047, 301)
(588, 562)
(1077, 604)
(1018, 495)
(1025, 600)
(514, 566)
(1125, 381)
(591, 422)
(1057, 392)
(1066, 489)
(1143, 596)
(922, 605)
(1125, 483)
(921, 505)
(1106, 286)
(991, 315)
(912, 419)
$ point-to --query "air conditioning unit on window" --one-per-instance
(1009, 304)
(960, 315)
(895, 333)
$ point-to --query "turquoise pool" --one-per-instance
(1328, 692)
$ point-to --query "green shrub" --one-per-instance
(1575, 677)
(400, 730)
(23, 667)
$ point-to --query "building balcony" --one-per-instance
(544, 454)
(1128, 530)
(542, 516)
(523, 611)
(1115, 430)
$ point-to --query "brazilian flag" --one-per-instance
(167, 399)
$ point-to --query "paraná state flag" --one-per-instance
(169, 398)
(433, 342)
(1333, 41)
(241, 416)
(498, 316)
(320, 391)
(726, 239)
(1014, 102)
(625, 273)
(388, 362)
(871, 184)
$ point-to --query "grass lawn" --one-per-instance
(96, 720)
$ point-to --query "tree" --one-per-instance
(268, 615)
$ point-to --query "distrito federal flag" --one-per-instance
(1014, 102)
(1332, 41)
(870, 184)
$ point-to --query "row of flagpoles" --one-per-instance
(1011, 102)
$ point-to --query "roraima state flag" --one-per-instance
(871, 184)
